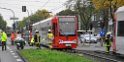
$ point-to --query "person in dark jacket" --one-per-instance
(37, 39)
(108, 42)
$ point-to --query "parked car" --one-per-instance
(88, 38)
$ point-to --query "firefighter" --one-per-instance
(108, 42)
(3, 40)
(37, 39)
(32, 41)
(50, 38)
(13, 36)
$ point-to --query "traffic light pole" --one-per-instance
(30, 30)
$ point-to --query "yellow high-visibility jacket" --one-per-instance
(32, 40)
(50, 36)
(4, 37)
(108, 42)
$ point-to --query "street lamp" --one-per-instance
(12, 13)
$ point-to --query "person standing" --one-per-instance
(13, 36)
(32, 41)
(50, 37)
(108, 42)
(3, 40)
(37, 39)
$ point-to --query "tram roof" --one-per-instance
(42, 21)
(120, 9)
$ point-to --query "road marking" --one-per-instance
(15, 56)
(8, 48)
(19, 60)
(13, 53)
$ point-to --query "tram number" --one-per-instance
(67, 44)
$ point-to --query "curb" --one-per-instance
(24, 60)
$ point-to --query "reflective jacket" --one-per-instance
(108, 42)
(36, 38)
(32, 40)
(4, 37)
(13, 36)
(50, 36)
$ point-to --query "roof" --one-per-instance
(42, 21)
(120, 9)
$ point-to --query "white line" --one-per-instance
(13, 53)
(8, 47)
(15, 56)
(19, 60)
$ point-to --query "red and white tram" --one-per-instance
(118, 43)
(64, 29)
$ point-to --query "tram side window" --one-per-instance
(120, 30)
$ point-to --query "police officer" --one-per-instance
(50, 37)
(3, 40)
(108, 41)
(37, 39)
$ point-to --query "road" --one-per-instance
(10, 55)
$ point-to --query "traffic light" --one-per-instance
(23, 8)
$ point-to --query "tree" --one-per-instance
(85, 11)
(38, 16)
(102, 4)
(2, 23)
(107, 8)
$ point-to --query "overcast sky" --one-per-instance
(53, 6)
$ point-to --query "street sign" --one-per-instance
(14, 18)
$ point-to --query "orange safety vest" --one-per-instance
(13, 36)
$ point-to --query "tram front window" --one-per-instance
(120, 30)
(67, 26)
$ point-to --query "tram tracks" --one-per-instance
(100, 56)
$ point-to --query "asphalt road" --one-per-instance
(10, 54)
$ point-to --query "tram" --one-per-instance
(64, 28)
(118, 43)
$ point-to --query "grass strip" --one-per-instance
(45, 55)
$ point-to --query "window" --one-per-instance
(67, 25)
(120, 30)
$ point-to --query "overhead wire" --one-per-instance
(53, 9)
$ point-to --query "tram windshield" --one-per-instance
(67, 25)
(120, 29)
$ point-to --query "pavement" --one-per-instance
(10, 55)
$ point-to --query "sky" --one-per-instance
(32, 6)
